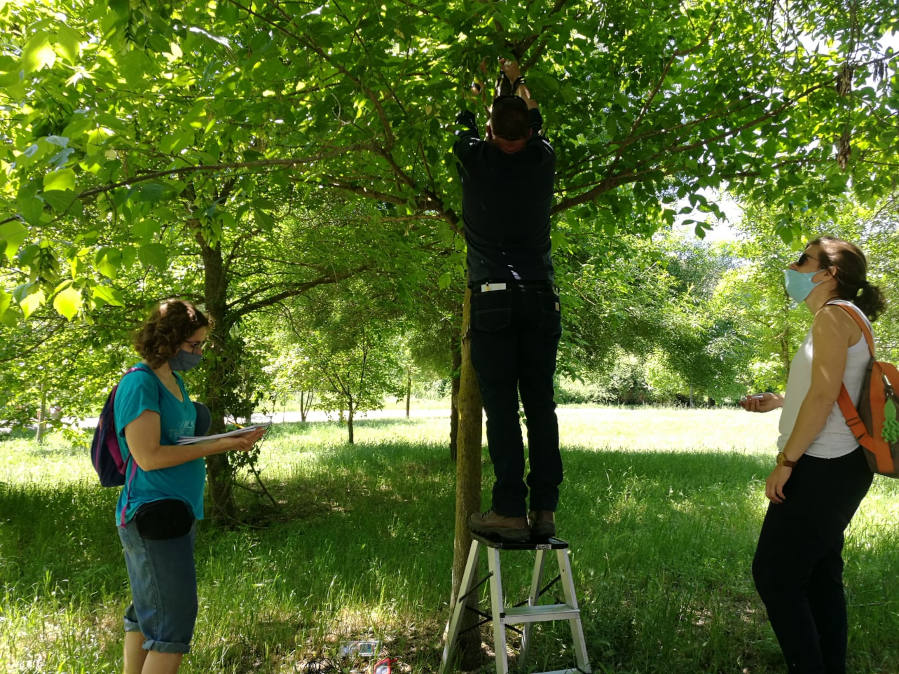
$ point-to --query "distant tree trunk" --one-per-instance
(408, 390)
(305, 404)
(349, 420)
(41, 417)
(784, 342)
(468, 482)
(454, 397)
(691, 396)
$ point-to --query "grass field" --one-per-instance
(662, 508)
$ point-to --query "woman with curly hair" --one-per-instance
(162, 498)
(821, 474)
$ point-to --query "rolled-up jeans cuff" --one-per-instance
(165, 646)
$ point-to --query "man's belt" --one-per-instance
(488, 286)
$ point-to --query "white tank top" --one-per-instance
(835, 439)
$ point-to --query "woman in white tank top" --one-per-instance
(820, 475)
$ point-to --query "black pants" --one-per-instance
(514, 339)
(798, 565)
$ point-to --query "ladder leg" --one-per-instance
(577, 631)
(498, 610)
(455, 622)
(536, 579)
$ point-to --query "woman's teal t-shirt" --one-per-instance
(139, 391)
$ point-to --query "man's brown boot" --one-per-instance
(491, 524)
(543, 524)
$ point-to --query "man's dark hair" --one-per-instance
(509, 118)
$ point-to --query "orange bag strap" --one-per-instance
(876, 445)
(860, 322)
(856, 425)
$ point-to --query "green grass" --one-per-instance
(662, 508)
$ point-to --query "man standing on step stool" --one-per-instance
(507, 190)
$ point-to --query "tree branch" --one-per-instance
(238, 311)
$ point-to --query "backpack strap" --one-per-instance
(853, 312)
(850, 413)
(131, 460)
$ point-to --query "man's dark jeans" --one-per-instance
(514, 339)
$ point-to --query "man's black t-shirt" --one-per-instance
(506, 200)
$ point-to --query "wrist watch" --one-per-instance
(782, 460)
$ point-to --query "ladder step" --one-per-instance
(544, 612)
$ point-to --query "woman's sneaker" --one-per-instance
(491, 524)
(543, 524)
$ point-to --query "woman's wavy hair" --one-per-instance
(166, 329)
(852, 274)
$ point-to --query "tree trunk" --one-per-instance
(785, 355)
(221, 497)
(305, 404)
(349, 421)
(41, 417)
(408, 390)
(468, 483)
(454, 397)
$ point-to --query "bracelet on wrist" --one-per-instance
(782, 460)
(518, 81)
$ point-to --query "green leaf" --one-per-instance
(32, 301)
(38, 53)
(129, 255)
(151, 192)
(108, 295)
(176, 142)
(153, 255)
(120, 7)
(108, 261)
(61, 180)
(68, 302)
(31, 208)
(60, 200)
(13, 234)
(5, 301)
(67, 43)
(264, 219)
(145, 229)
(10, 71)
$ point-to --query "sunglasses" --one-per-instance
(804, 257)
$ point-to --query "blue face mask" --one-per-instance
(799, 284)
(184, 360)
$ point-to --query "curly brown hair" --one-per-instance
(166, 329)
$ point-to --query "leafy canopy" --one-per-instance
(115, 115)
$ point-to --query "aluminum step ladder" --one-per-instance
(527, 613)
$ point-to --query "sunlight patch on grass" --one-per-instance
(668, 429)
